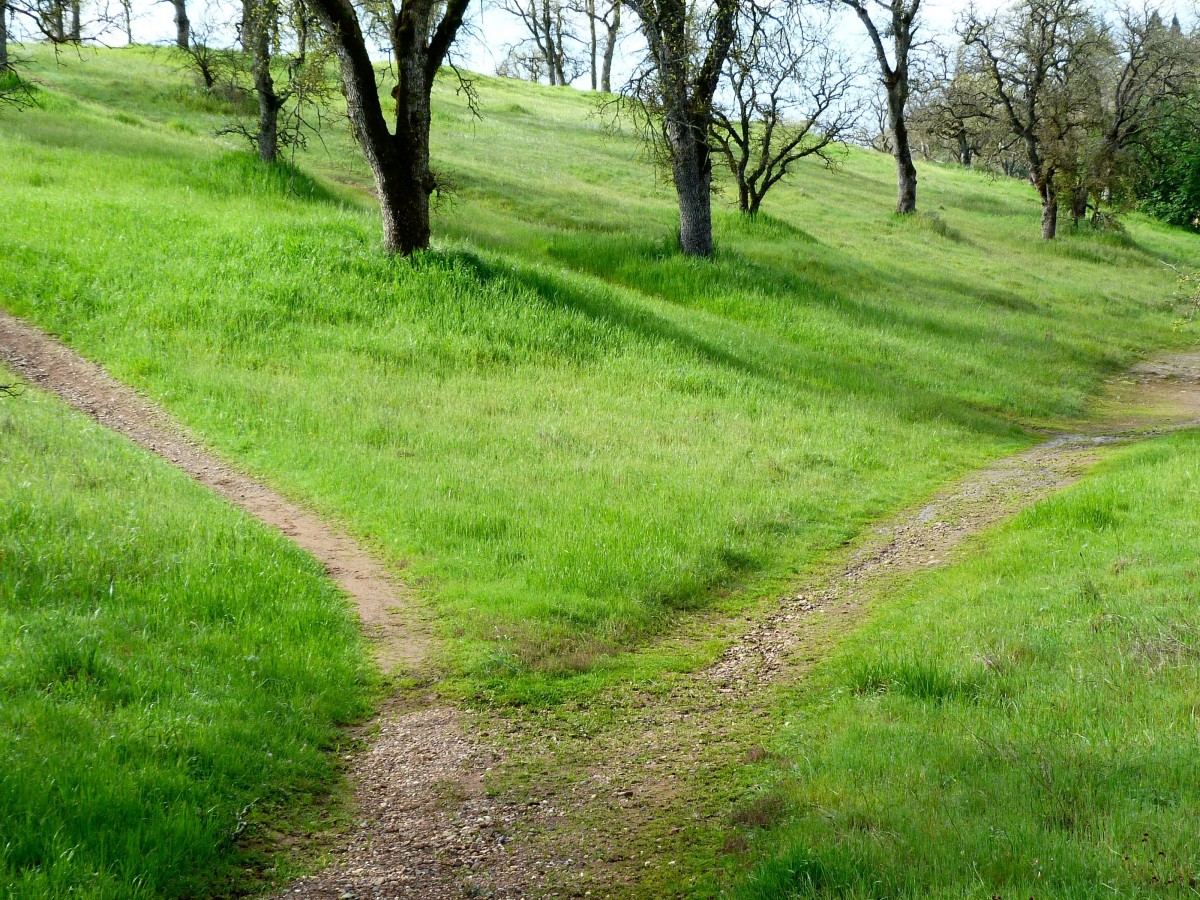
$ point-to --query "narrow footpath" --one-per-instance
(426, 825)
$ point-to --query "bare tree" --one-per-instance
(785, 97)
(421, 32)
(1036, 55)
(60, 21)
(260, 23)
(520, 63)
(688, 46)
(283, 103)
(203, 57)
(604, 27)
(898, 26)
(951, 105)
(612, 33)
(546, 22)
(127, 19)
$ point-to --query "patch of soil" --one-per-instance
(389, 615)
(459, 804)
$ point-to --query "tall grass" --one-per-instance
(173, 675)
(570, 434)
(1021, 724)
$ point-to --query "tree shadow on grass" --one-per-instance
(787, 369)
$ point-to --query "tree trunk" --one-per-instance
(610, 48)
(127, 6)
(3, 35)
(966, 155)
(76, 34)
(593, 47)
(1079, 205)
(1049, 211)
(257, 21)
(399, 161)
(405, 195)
(58, 30)
(692, 169)
(906, 172)
(183, 28)
(548, 39)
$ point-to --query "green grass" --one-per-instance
(569, 433)
(1021, 724)
(173, 675)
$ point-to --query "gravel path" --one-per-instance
(568, 821)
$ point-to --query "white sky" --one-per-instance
(496, 30)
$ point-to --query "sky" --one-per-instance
(496, 30)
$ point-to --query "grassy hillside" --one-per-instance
(173, 675)
(568, 432)
(1022, 724)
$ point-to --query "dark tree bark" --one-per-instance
(400, 160)
(183, 27)
(613, 31)
(1049, 210)
(548, 39)
(76, 33)
(691, 163)
(4, 64)
(901, 25)
(57, 31)
(966, 150)
(127, 11)
(258, 21)
(686, 86)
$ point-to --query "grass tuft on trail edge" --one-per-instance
(174, 676)
(1021, 724)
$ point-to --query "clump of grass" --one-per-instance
(244, 174)
(131, 120)
(911, 676)
(173, 676)
(1084, 772)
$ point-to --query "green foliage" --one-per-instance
(1055, 752)
(1169, 174)
(172, 677)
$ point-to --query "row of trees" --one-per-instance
(565, 39)
(1092, 105)
(1086, 104)
(1075, 100)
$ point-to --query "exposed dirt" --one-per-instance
(451, 803)
(389, 616)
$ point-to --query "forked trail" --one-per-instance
(426, 828)
(388, 614)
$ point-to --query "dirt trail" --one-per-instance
(420, 783)
(388, 614)
(569, 810)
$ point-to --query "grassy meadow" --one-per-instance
(570, 434)
(572, 438)
(173, 676)
(1020, 724)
